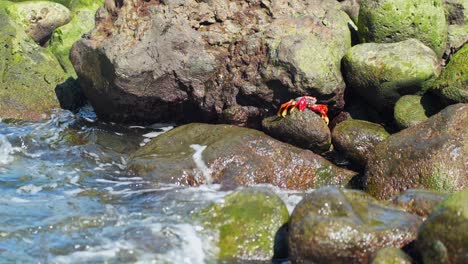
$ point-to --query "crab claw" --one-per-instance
(321, 109)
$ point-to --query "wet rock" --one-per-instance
(29, 73)
(391, 255)
(419, 202)
(431, 155)
(199, 153)
(39, 18)
(333, 225)
(303, 129)
(226, 59)
(357, 139)
(382, 72)
(411, 110)
(452, 84)
(442, 238)
(393, 21)
(247, 222)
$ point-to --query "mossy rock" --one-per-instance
(29, 73)
(452, 84)
(443, 236)
(357, 139)
(398, 20)
(411, 110)
(247, 222)
(391, 255)
(419, 202)
(382, 72)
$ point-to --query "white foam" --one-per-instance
(30, 188)
(5, 151)
(198, 159)
(157, 133)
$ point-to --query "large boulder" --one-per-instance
(247, 222)
(452, 84)
(39, 18)
(333, 225)
(382, 72)
(228, 60)
(397, 20)
(357, 139)
(303, 129)
(443, 236)
(29, 73)
(199, 153)
(431, 155)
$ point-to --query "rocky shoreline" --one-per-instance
(389, 171)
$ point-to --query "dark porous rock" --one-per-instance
(391, 255)
(357, 139)
(411, 110)
(247, 222)
(419, 202)
(431, 155)
(443, 236)
(199, 153)
(333, 225)
(184, 61)
(303, 129)
(383, 72)
(398, 20)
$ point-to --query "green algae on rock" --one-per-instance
(411, 110)
(391, 255)
(333, 225)
(357, 139)
(398, 20)
(431, 155)
(383, 72)
(452, 84)
(29, 73)
(247, 222)
(443, 237)
(232, 155)
(302, 129)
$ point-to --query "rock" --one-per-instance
(419, 202)
(411, 110)
(431, 155)
(357, 139)
(391, 255)
(456, 11)
(333, 225)
(226, 59)
(393, 21)
(199, 153)
(382, 72)
(457, 37)
(302, 129)
(247, 222)
(442, 238)
(452, 84)
(29, 73)
(62, 39)
(351, 7)
(39, 18)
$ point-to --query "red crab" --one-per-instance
(302, 103)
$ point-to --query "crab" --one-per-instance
(302, 103)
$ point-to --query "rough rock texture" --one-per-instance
(39, 18)
(397, 20)
(431, 155)
(345, 226)
(391, 255)
(419, 202)
(443, 237)
(247, 222)
(382, 72)
(452, 84)
(411, 110)
(211, 60)
(29, 73)
(303, 129)
(199, 153)
(357, 139)
(351, 7)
